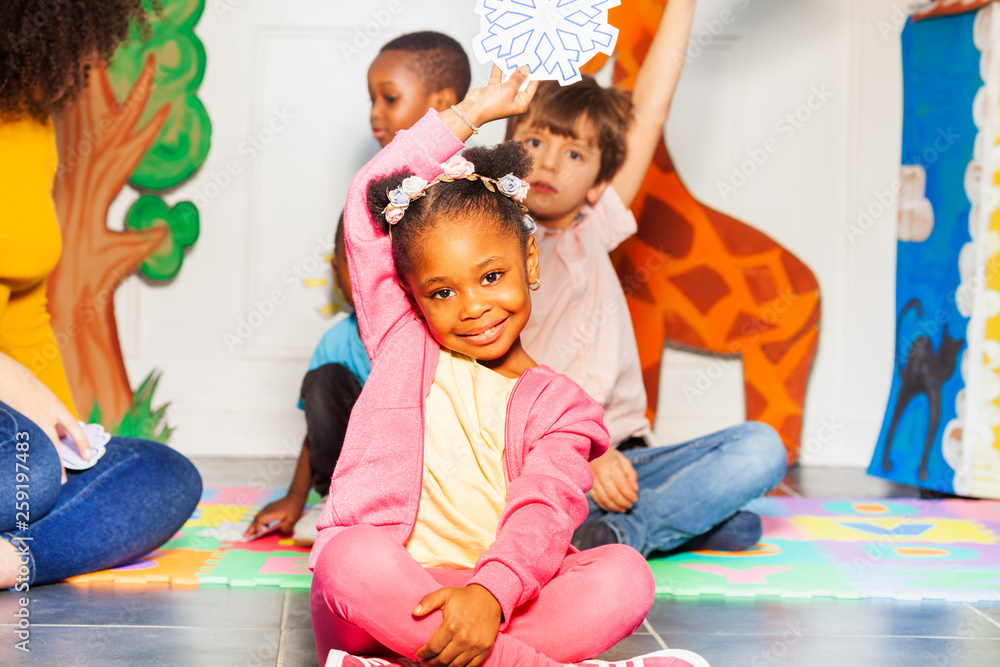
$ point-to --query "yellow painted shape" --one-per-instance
(756, 551)
(924, 552)
(992, 333)
(174, 566)
(213, 516)
(870, 508)
(941, 531)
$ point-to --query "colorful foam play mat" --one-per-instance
(905, 549)
(899, 548)
(208, 549)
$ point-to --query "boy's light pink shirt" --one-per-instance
(580, 324)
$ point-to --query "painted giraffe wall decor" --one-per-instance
(715, 284)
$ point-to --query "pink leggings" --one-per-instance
(366, 585)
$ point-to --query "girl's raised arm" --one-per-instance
(378, 299)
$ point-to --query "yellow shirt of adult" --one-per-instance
(29, 249)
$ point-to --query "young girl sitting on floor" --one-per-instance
(465, 465)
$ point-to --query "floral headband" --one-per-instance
(456, 168)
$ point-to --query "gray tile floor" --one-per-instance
(158, 625)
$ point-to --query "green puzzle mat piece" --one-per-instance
(977, 579)
(744, 580)
(193, 542)
(777, 568)
(285, 569)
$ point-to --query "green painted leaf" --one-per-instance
(183, 221)
(182, 145)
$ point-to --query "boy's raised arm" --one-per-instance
(654, 90)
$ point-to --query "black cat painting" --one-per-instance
(925, 372)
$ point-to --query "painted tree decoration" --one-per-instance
(182, 144)
(140, 121)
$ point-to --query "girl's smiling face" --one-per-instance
(470, 282)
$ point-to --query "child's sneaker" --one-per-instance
(340, 659)
(304, 534)
(666, 658)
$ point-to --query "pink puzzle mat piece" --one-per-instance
(286, 565)
(779, 528)
(235, 495)
(987, 511)
(752, 575)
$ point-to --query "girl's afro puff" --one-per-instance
(510, 157)
(456, 201)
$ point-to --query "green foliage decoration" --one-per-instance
(141, 420)
(183, 222)
(182, 145)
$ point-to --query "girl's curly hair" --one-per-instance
(455, 201)
(46, 46)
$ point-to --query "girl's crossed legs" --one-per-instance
(366, 585)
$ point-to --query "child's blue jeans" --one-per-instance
(132, 501)
(687, 489)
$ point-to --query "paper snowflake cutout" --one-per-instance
(554, 38)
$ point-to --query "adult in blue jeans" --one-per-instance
(55, 525)
(132, 501)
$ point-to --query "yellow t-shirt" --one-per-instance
(29, 250)
(464, 490)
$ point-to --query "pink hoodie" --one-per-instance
(553, 428)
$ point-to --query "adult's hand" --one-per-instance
(21, 390)
(616, 486)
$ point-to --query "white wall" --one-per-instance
(282, 66)
(733, 97)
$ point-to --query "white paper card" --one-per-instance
(554, 38)
(96, 436)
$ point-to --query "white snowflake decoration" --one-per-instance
(554, 38)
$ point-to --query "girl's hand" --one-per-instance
(287, 510)
(21, 390)
(471, 622)
(493, 101)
